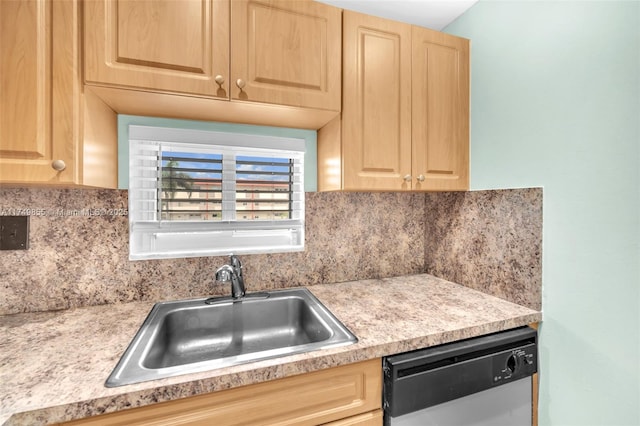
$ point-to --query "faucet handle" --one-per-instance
(223, 274)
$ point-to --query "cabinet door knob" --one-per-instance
(58, 165)
(407, 178)
(240, 83)
(219, 79)
(421, 178)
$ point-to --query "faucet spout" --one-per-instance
(237, 284)
(232, 273)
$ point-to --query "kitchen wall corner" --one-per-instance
(489, 241)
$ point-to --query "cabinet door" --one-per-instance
(162, 45)
(27, 147)
(440, 111)
(376, 116)
(286, 52)
(51, 133)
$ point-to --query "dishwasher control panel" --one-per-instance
(514, 364)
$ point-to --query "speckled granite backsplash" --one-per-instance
(490, 240)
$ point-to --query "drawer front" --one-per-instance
(308, 399)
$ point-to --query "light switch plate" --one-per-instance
(14, 232)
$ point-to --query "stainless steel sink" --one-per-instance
(202, 334)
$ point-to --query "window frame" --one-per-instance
(157, 238)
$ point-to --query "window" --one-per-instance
(205, 193)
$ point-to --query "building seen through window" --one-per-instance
(191, 188)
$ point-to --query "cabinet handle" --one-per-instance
(407, 178)
(219, 79)
(421, 178)
(240, 83)
(58, 165)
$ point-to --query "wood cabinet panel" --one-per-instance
(44, 114)
(286, 52)
(140, 40)
(440, 110)
(373, 418)
(161, 45)
(25, 83)
(377, 103)
(308, 399)
(135, 102)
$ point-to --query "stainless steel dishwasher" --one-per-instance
(482, 381)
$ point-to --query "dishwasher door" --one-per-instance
(507, 405)
(484, 381)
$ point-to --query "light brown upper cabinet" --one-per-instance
(171, 46)
(269, 51)
(286, 52)
(376, 115)
(404, 123)
(51, 132)
(440, 111)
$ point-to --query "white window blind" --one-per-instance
(203, 193)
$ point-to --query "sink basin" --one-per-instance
(195, 335)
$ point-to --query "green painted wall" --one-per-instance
(310, 137)
(555, 102)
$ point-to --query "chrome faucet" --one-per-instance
(232, 273)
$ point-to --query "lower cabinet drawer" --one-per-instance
(308, 399)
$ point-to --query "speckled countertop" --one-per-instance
(53, 365)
